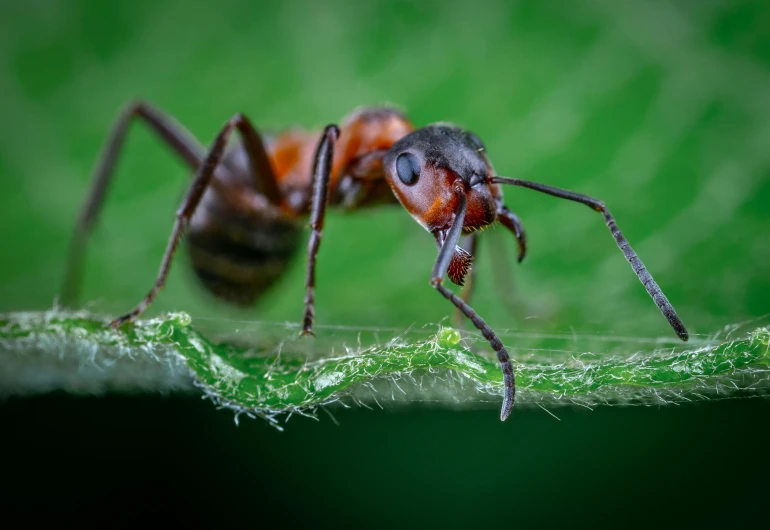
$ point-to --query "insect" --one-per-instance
(242, 214)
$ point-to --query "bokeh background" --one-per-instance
(662, 110)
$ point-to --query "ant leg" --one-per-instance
(437, 276)
(361, 178)
(172, 134)
(641, 271)
(203, 178)
(473, 248)
(321, 176)
(261, 168)
(501, 265)
(368, 166)
(511, 221)
(470, 279)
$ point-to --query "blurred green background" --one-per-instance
(659, 109)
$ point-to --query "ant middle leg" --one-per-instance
(321, 177)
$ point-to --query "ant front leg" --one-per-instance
(203, 178)
(511, 221)
(437, 277)
(470, 280)
(322, 167)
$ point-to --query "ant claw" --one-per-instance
(125, 319)
(305, 332)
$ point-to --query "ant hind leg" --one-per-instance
(203, 178)
(172, 134)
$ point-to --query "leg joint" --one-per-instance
(136, 106)
(237, 118)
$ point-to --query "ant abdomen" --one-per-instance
(238, 251)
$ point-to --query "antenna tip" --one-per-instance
(507, 407)
(679, 328)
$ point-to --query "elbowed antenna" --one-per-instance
(641, 271)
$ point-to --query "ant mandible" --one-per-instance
(242, 211)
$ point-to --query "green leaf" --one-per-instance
(78, 352)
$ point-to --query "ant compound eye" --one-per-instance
(408, 168)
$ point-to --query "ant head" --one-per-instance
(424, 167)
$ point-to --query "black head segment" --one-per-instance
(424, 168)
(439, 145)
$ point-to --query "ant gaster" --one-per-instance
(242, 212)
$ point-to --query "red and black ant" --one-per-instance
(242, 212)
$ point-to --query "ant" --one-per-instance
(242, 212)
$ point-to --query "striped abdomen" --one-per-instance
(240, 255)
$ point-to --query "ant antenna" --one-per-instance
(641, 271)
